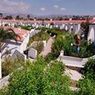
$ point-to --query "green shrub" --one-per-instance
(63, 42)
(86, 87)
(9, 65)
(51, 56)
(89, 69)
(39, 45)
(39, 37)
(40, 78)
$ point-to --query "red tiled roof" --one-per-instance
(20, 32)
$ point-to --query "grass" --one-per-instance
(9, 65)
(39, 45)
(41, 36)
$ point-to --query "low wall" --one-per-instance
(4, 82)
(74, 62)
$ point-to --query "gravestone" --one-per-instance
(32, 53)
(18, 55)
(91, 34)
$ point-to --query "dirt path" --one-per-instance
(47, 49)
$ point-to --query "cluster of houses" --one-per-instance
(16, 49)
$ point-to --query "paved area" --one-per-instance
(47, 49)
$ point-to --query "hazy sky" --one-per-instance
(48, 7)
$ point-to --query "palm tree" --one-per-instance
(8, 34)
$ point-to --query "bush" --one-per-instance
(89, 69)
(86, 87)
(40, 78)
(39, 45)
(9, 65)
(63, 42)
(87, 84)
(50, 56)
(39, 37)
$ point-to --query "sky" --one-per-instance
(48, 7)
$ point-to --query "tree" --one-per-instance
(28, 17)
(63, 42)
(85, 28)
(17, 17)
(8, 17)
(8, 34)
(1, 15)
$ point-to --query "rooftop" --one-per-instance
(20, 32)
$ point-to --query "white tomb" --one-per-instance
(91, 35)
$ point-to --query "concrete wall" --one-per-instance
(34, 32)
(91, 35)
(23, 45)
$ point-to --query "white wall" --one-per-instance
(91, 35)
(23, 46)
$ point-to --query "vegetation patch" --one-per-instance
(38, 45)
(41, 36)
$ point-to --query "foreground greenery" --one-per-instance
(87, 84)
(43, 78)
(39, 78)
